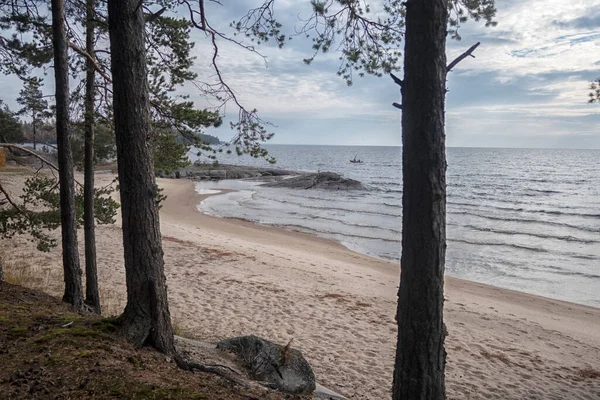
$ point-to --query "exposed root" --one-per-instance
(220, 370)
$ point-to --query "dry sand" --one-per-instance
(229, 277)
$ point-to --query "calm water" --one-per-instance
(524, 219)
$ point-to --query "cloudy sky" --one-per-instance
(527, 86)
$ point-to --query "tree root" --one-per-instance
(221, 370)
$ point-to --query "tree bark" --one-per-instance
(420, 354)
(72, 269)
(146, 319)
(92, 298)
(34, 126)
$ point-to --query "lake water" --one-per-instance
(524, 219)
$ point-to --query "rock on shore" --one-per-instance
(321, 180)
(282, 368)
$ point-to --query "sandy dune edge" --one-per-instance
(230, 277)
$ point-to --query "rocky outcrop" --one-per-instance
(321, 180)
(281, 367)
(224, 171)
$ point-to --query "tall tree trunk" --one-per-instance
(34, 126)
(92, 298)
(146, 319)
(420, 354)
(72, 269)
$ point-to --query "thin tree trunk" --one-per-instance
(146, 319)
(72, 269)
(34, 126)
(420, 354)
(91, 273)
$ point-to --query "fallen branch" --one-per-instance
(463, 56)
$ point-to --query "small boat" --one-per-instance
(356, 161)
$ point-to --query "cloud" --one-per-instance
(527, 86)
(589, 21)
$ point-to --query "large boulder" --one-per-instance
(320, 180)
(281, 367)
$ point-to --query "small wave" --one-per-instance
(581, 274)
(356, 225)
(523, 247)
(314, 207)
(392, 205)
(489, 243)
(324, 231)
(521, 209)
(566, 238)
(527, 221)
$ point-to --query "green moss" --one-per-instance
(148, 392)
(135, 361)
(106, 325)
(18, 332)
(84, 354)
(73, 331)
(56, 360)
(121, 387)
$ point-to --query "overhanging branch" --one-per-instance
(85, 54)
(11, 202)
(25, 150)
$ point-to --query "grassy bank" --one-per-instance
(49, 352)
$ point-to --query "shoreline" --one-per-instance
(520, 300)
(230, 277)
(202, 197)
(497, 337)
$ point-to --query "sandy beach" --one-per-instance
(231, 277)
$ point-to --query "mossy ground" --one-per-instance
(42, 358)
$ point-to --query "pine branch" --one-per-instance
(85, 54)
(25, 150)
(463, 56)
(11, 202)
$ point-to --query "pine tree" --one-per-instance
(146, 319)
(34, 104)
(72, 269)
(11, 129)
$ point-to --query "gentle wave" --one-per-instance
(327, 232)
(352, 224)
(338, 209)
(567, 238)
(524, 247)
(521, 209)
(528, 221)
